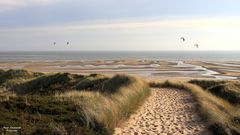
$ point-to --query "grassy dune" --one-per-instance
(66, 103)
(222, 116)
(227, 90)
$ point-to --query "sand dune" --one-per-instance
(167, 111)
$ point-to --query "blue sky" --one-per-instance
(119, 24)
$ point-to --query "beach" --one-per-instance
(148, 64)
(140, 67)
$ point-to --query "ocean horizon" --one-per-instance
(114, 55)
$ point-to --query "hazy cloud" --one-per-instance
(187, 23)
(13, 4)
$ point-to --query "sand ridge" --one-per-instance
(166, 111)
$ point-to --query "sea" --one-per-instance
(115, 55)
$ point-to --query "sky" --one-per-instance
(100, 25)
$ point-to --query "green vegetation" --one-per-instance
(48, 84)
(68, 104)
(228, 90)
(92, 82)
(116, 82)
(1, 71)
(222, 116)
(11, 77)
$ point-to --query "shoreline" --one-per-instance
(145, 68)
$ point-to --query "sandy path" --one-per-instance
(166, 111)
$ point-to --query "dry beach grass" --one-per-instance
(69, 104)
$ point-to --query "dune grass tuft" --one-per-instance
(16, 74)
(110, 107)
(46, 84)
(116, 82)
(1, 72)
(92, 82)
(228, 90)
(12, 78)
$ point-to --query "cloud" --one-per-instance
(176, 23)
(13, 4)
(144, 34)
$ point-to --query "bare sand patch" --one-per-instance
(166, 111)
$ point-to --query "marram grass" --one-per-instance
(66, 103)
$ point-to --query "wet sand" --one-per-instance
(146, 68)
(223, 68)
(166, 111)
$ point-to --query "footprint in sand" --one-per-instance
(166, 112)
